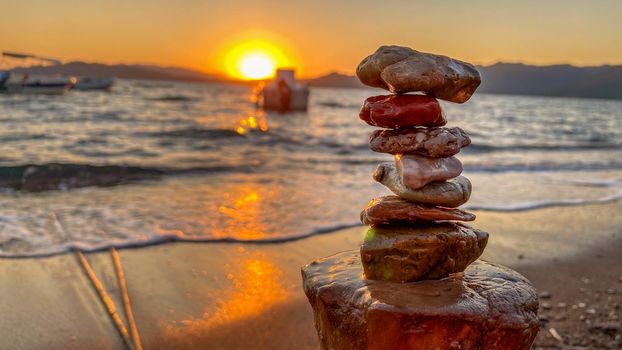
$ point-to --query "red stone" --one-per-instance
(402, 111)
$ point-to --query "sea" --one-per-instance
(154, 161)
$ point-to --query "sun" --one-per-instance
(256, 65)
(254, 60)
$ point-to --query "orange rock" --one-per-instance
(487, 307)
(392, 209)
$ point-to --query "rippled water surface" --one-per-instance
(153, 161)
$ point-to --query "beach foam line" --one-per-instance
(478, 148)
(181, 237)
(597, 183)
(168, 238)
(540, 167)
(545, 204)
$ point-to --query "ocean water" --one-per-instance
(158, 161)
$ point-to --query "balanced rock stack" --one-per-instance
(416, 284)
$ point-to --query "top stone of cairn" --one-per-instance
(401, 69)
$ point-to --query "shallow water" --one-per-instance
(197, 161)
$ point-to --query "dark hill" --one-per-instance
(521, 79)
(558, 80)
(126, 71)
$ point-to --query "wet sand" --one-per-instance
(240, 296)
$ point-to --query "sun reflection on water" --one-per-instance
(255, 121)
(240, 211)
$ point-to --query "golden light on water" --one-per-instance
(255, 121)
(255, 60)
(240, 210)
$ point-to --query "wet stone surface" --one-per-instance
(393, 209)
(486, 307)
(401, 111)
(451, 193)
(408, 253)
(428, 142)
(401, 69)
(417, 171)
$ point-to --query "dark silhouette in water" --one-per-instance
(36, 178)
(286, 96)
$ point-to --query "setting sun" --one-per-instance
(256, 66)
(253, 60)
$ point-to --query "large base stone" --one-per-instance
(486, 307)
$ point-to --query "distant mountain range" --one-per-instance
(125, 71)
(521, 79)
(558, 80)
(501, 78)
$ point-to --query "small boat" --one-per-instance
(94, 83)
(36, 84)
(21, 81)
(284, 93)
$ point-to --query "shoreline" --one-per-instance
(175, 238)
(241, 295)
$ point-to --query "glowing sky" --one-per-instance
(317, 36)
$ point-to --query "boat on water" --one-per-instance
(35, 84)
(21, 80)
(284, 93)
(32, 80)
(93, 83)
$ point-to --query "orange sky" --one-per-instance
(317, 36)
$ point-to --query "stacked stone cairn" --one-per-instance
(422, 287)
(406, 241)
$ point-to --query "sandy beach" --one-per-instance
(239, 296)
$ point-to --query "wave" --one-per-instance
(167, 238)
(543, 166)
(57, 176)
(173, 98)
(192, 133)
(25, 137)
(545, 204)
(483, 148)
(173, 236)
(597, 183)
(180, 237)
(65, 176)
(478, 167)
(336, 104)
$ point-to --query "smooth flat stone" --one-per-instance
(409, 253)
(393, 209)
(368, 71)
(405, 70)
(417, 171)
(401, 111)
(428, 142)
(487, 307)
(451, 193)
